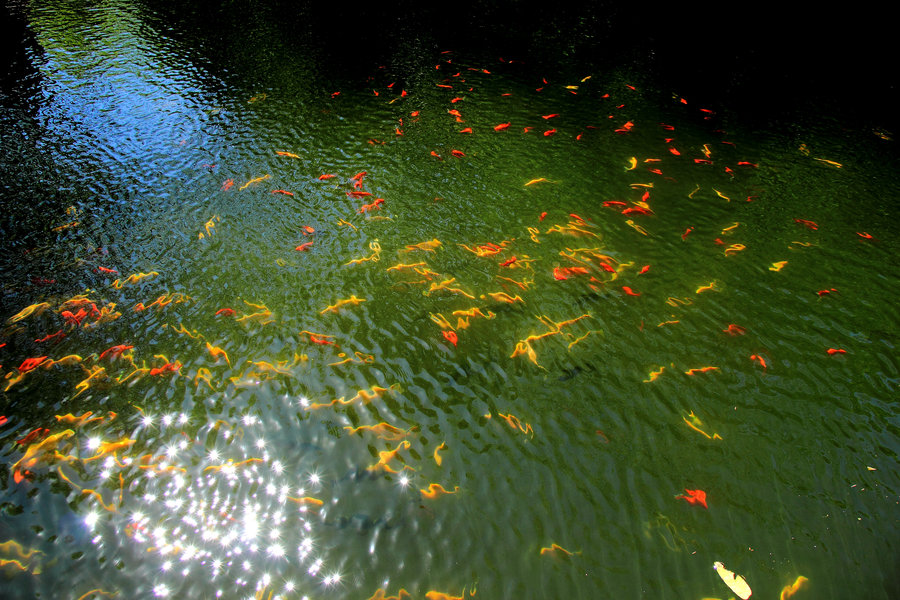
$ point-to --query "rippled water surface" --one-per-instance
(280, 324)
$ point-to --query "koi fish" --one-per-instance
(225, 312)
(711, 287)
(325, 176)
(115, 351)
(33, 436)
(630, 291)
(254, 180)
(609, 203)
(436, 155)
(637, 209)
(824, 292)
(466, 130)
(457, 153)
(543, 216)
(304, 247)
(359, 194)
(31, 363)
(733, 329)
(830, 351)
(287, 154)
(508, 262)
(734, 249)
(736, 583)
(789, 590)
(829, 162)
(426, 246)
(703, 161)
(759, 358)
(721, 195)
(625, 128)
(320, 339)
(864, 235)
(450, 336)
(227, 185)
(777, 266)
(307, 230)
(549, 116)
(105, 270)
(166, 368)
(811, 224)
(285, 192)
(686, 232)
(700, 370)
(674, 151)
(632, 164)
(538, 180)
(549, 132)
(454, 112)
(34, 309)
(694, 497)
(744, 163)
(50, 336)
(371, 206)
(501, 126)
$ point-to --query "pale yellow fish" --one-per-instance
(721, 195)
(829, 162)
(736, 583)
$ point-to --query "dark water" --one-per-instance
(145, 140)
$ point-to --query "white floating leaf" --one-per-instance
(737, 583)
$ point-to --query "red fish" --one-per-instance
(74, 319)
(307, 230)
(451, 337)
(414, 113)
(667, 127)
(436, 155)
(527, 129)
(35, 435)
(549, 132)
(358, 194)
(466, 130)
(865, 235)
(334, 94)
(115, 351)
(733, 329)
(225, 312)
(59, 334)
(831, 351)
(811, 224)
(325, 176)
(227, 185)
(761, 360)
(105, 270)
(695, 497)
(625, 128)
(457, 153)
(501, 126)
(454, 112)
(578, 137)
(630, 291)
(607, 267)
(744, 163)
(31, 363)
(371, 206)
(455, 100)
(304, 247)
(703, 161)
(285, 192)
(543, 216)
(322, 341)
(359, 176)
(614, 203)
(674, 151)
(644, 269)
(549, 116)
(508, 262)
(637, 209)
(824, 292)
(686, 232)
(166, 368)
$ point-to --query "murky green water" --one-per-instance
(563, 370)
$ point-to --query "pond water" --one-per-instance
(288, 317)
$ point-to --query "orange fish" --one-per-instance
(227, 185)
(359, 176)
(358, 194)
(115, 351)
(824, 292)
(454, 112)
(811, 224)
(304, 247)
(508, 262)
(307, 230)
(637, 209)
(455, 100)
(225, 312)
(549, 132)
(285, 192)
(451, 337)
(761, 360)
(371, 206)
(630, 291)
(700, 370)
(643, 270)
(609, 203)
(501, 126)
(686, 232)
(105, 270)
(50, 336)
(288, 154)
(674, 151)
(735, 330)
(325, 176)
(436, 155)
(703, 161)
(166, 368)
(744, 163)
(865, 235)
(414, 113)
(831, 351)
(694, 497)
(549, 116)
(457, 153)
(466, 130)
(35, 435)
(543, 215)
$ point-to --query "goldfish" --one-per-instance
(508, 261)
(789, 590)
(777, 266)
(759, 358)
(829, 162)
(34, 309)
(549, 116)
(653, 375)
(321, 339)
(833, 351)
(710, 287)
(287, 154)
(501, 126)
(451, 337)
(50, 336)
(284, 192)
(428, 246)
(556, 548)
(644, 269)
(31, 363)
(435, 489)
(721, 195)
(864, 235)
(105, 270)
(325, 176)
(304, 247)
(734, 249)
(466, 130)
(457, 153)
(686, 232)
(703, 161)
(824, 292)
(166, 368)
(632, 164)
(549, 132)
(372, 205)
(694, 497)
(733, 329)
(227, 185)
(352, 300)
(437, 457)
(225, 312)
(35, 435)
(359, 194)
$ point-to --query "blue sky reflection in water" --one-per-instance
(504, 377)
